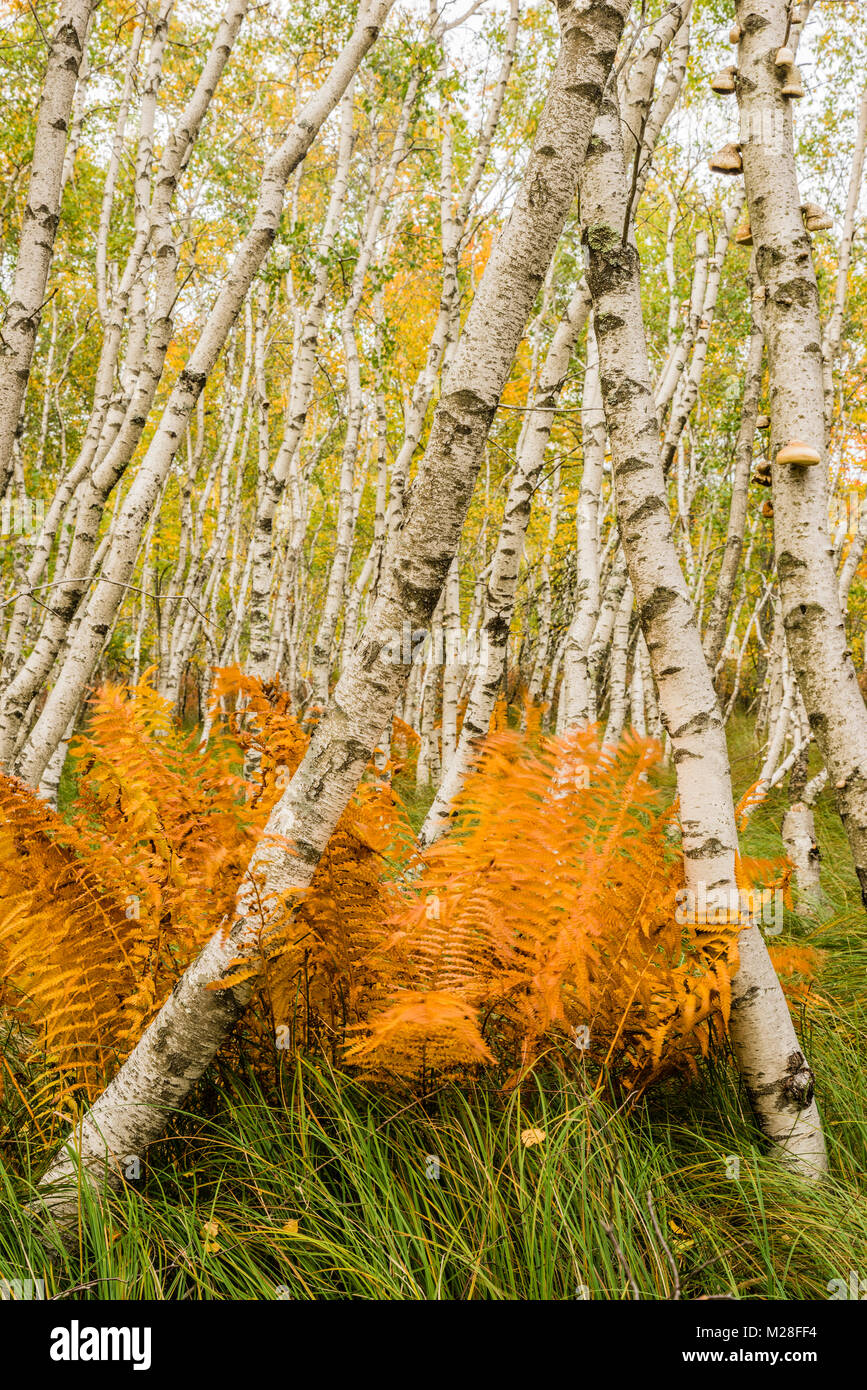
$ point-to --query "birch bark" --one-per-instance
(578, 695)
(715, 630)
(776, 1075)
(368, 250)
(506, 563)
(20, 322)
(834, 327)
(285, 467)
(575, 701)
(811, 615)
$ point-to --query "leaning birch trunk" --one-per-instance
(105, 600)
(811, 615)
(184, 1037)
(643, 116)
(20, 321)
(777, 1077)
(505, 566)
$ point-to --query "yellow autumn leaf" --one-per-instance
(531, 1137)
(679, 1237)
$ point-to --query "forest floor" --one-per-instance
(321, 1187)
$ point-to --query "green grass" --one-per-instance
(416, 801)
(354, 1167)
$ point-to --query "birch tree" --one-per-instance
(776, 1074)
(22, 313)
(810, 607)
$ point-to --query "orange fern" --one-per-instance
(550, 911)
(545, 923)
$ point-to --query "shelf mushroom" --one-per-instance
(763, 422)
(744, 235)
(762, 475)
(816, 219)
(724, 82)
(727, 160)
(735, 34)
(797, 454)
(768, 508)
(793, 86)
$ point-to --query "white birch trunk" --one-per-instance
(811, 616)
(618, 697)
(578, 695)
(715, 630)
(776, 1075)
(506, 563)
(20, 322)
(286, 469)
(452, 662)
(834, 327)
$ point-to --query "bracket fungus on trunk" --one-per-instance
(762, 474)
(724, 81)
(727, 160)
(784, 62)
(816, 219)
(796, 454)
(793, 86)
